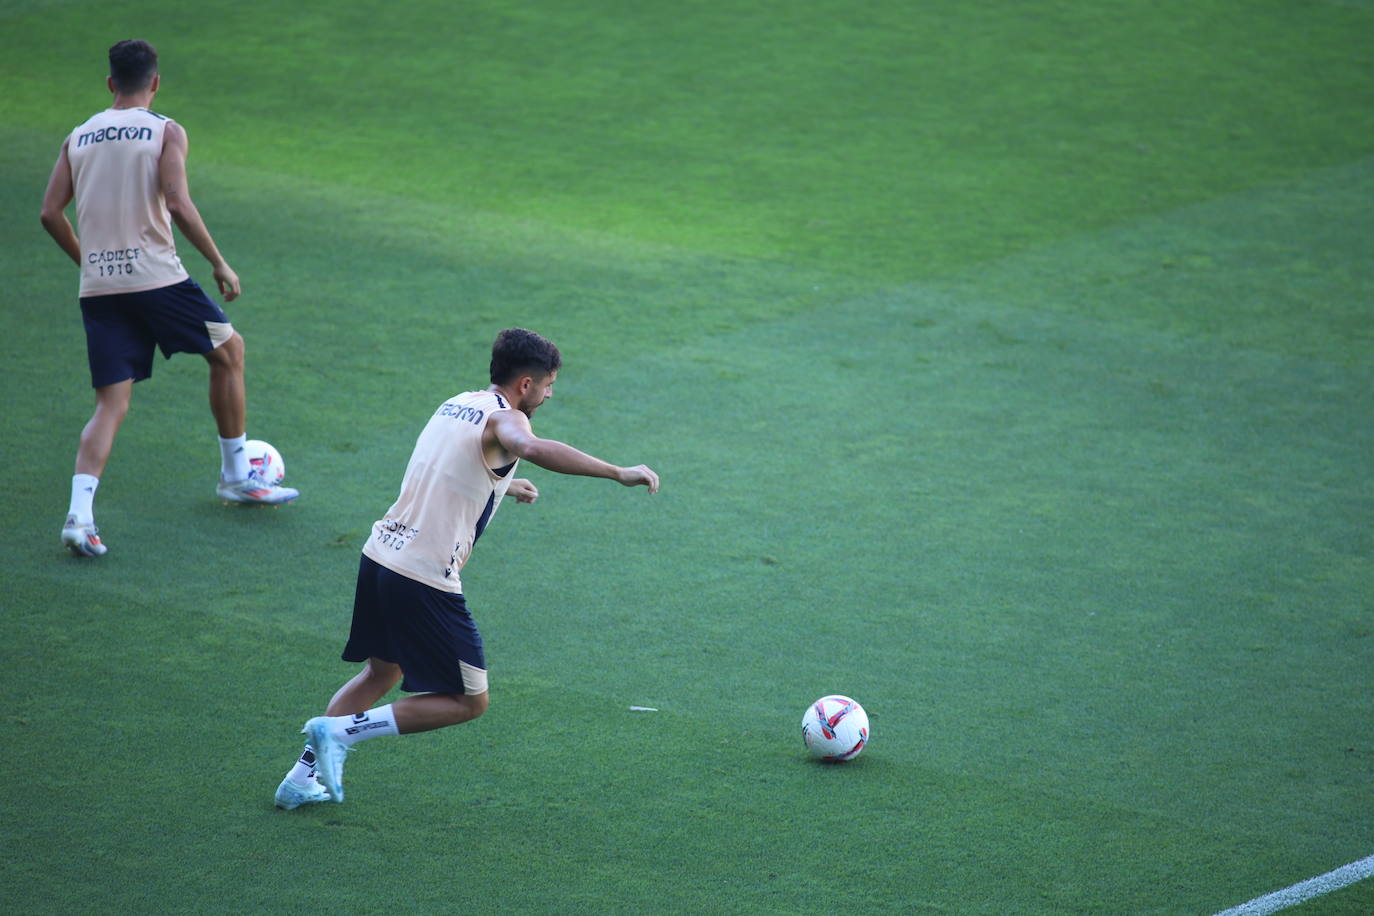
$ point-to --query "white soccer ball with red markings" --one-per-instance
(835, 728)
(264, 462)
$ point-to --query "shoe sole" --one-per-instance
(81, 550)
(257, 502)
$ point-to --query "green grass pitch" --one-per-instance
(1009, 367)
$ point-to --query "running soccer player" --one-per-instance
(126, 169)
(410, 621)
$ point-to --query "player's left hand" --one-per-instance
(523, 490)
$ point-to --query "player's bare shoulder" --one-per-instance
(173, 134)
(505, 431)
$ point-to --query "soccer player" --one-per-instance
(410, 621)
(126, 169)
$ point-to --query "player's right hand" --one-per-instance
(228, 282)
(640, 475)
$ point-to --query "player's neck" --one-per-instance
(132, 100)
(510, 396)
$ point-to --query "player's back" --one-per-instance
(121, 214)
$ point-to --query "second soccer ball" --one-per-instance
(265, 462)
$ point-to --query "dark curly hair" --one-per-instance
(518, 352)
(133, 63)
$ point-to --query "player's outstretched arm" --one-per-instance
(512, 430)
(175, 190)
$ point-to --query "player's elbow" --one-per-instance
(177, 207)
(180, 206)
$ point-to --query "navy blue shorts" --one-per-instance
(123, 328)
(429, 633)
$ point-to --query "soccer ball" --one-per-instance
(264, 462)
(835, 728)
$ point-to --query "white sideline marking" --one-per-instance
(1303, 891)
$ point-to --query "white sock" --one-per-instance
(233, 464)
(371, 724)
(303, 773)
(83, 498)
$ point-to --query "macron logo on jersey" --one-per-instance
(114, 133)
(473, 415)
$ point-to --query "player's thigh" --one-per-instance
(435, 639)
(442, 648)
(119, 343)
(185, 320)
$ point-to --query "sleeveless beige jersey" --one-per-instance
(121, 215)
(447, 497)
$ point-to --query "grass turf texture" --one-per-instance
(1008, 367)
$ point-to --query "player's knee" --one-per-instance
(113, 409)
(230, 353)
(235, 348)
(477, 703)
(112, 402)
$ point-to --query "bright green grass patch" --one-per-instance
(895, 141)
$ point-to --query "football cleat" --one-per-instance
(329, 755)
(82, 540)
(253, 489)
(291, 796)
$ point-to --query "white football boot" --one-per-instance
(291, 796)
(253, 489)
(82, 540)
